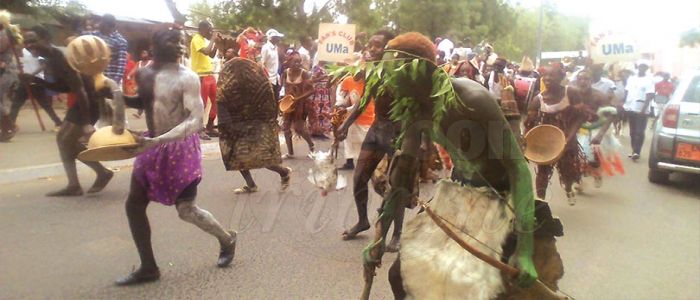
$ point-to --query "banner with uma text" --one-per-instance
(336, 42)
(611, 47)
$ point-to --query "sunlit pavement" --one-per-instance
(627, 240)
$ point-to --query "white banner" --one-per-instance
(336, 42)
(610, 47)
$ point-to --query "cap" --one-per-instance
(273, 33)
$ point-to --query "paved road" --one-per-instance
(42, 144)
(627, 240)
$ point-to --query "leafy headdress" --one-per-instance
(408, 72)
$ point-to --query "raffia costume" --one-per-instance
(431, 264)
(247, 117)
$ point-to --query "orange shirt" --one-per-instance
(349, 84)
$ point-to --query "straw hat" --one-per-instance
(544, 144)
(287, 103)
(105, 145)
(527, 65)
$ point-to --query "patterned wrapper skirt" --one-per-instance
(166, 170)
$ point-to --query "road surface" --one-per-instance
(628, 240)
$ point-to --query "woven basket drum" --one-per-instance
(544, 144)
(287, 104)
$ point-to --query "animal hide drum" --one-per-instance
(433, 266)
(247, 117)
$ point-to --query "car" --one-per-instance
(675, 146)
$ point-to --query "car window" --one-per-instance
(693, 92)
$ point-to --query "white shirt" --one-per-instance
(446, 46)
(637, 90)
(305, 58)
(30, 64)
(270, 61)
(495, 87)
(463, 52)
(604, 85)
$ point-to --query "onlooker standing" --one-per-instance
(270, 59)
(246, 43)
(202, 50)
(445, 45)
(229, 54)
(305, 52)
(640, 92)
(129, 86)
(602, 84)
(117, 44)
(33, 70)
(664, 89)
(350, 92)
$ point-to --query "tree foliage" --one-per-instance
(287, 16)
(510, 28)
(559, 33)
(690, 38)
(35, 7)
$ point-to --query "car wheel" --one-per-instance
(658, 176)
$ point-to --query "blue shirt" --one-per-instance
(118, 46)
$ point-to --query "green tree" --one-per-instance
(287, 16)
(560, 33)
(690, 38)
(510, 28)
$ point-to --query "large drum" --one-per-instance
(247, 117)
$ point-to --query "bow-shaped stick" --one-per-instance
(510, 271)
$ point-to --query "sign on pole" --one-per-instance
(336, 42)
(611, 47)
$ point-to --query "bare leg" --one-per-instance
(249, 182)
(395, 243)
(287, 129)
(191, 213)
(395, 279)
(284, 173)
(366, 164)
(67, 140)
(136, 205)
(104, 175)
(249, 187)
(301, 129)
(542, 180)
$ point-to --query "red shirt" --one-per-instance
(664, 88)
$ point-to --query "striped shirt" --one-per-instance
(118, 45)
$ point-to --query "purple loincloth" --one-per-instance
(166, 170)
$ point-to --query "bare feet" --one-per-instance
(227, 251)
(69, 191)
(352, 232)
(101, 182)
(139, 276)
(394, 245)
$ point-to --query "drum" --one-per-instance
(105, 145)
